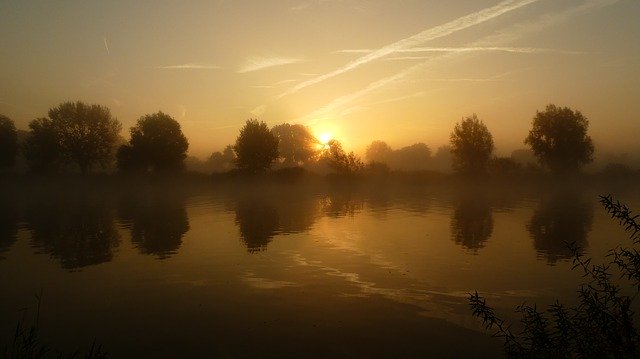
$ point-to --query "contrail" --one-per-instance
(412, 41)
(106, 45)
(517, 31)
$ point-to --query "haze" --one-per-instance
(398, 71)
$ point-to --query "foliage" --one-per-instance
(600, 326)
(296, 145)
(256, 147)
(379, 151)
(8, 142)
(222, 161)
(471, 146)
(559, 139)
(343, 163)
(87, 134)
(42, 148)
(157, 144)
(504, 166)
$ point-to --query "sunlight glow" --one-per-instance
(324, 138)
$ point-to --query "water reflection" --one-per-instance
(78, 229)
(472, 220)
(563, 216)
(157, 219)
(257, 220)
(260, 217)
(9, 217)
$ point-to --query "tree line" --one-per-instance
(83, 137)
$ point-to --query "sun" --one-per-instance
(324, 138)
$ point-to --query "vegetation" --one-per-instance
(156, 145)
(256, 147)
(8, 142)
(600, 326)
(343, 163)
(559, 139)
(471, 146)
(42, 148)
(296, 145)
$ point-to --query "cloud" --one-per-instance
(190, 66)
(261, 63)
(417, 39)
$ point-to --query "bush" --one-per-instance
(600, 326)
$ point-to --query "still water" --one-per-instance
(289, 271)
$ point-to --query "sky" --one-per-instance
(402, 71)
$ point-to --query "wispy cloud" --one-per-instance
(420, 38)
(190, 66)
(261, 63)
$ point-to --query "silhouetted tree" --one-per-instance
(472, 221)
(562, 218)
(504, 166)
(379, 151)
(157, 144)
(296, 145)
(42, 148)
(471, 146)
(158, 220)
(442, 160)
(87, 133)
(78, 229)
(256, 147)
(559, 139)
(8, 142)
(342, 162)
(222, 161)
(414, 157)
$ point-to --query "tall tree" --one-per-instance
(87, 133)
(471, 146)
(157, 144)
(256, 147)
(379, 151)
(342, 162)
(559, 139)
(8, 142)
(42, 148)
(296, 145)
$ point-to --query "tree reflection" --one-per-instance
(158, 221)
(257, 220)
(77, 229)
(261, 216)
(8, 224)
(472, 221)
(562, 218)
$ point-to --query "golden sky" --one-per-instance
(402, 71)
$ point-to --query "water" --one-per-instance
(289, 271)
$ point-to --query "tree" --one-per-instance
(342, 162)
(87, 134)
(379, 151)
(412, 158)
(559, 139)
(222, 161)
(256, 147)
(157, 144)
(8, 142)
(471, 146)
(42, 148)
(296, 145)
